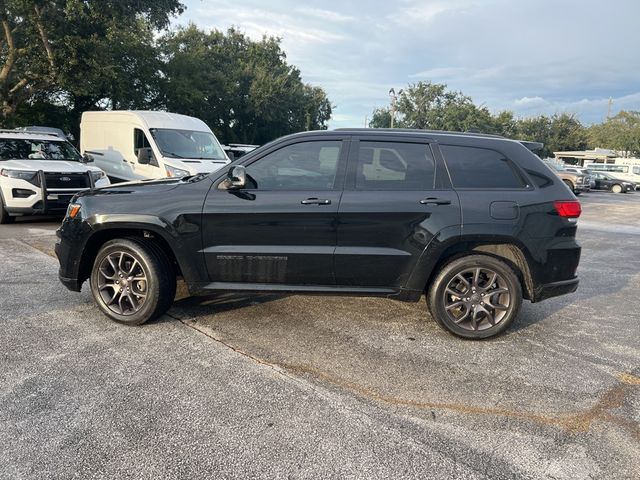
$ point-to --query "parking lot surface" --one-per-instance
(276, 386)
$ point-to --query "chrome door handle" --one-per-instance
(315, 201)
(435, 201)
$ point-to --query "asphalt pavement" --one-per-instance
(270, 386)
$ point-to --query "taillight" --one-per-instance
(570, 209)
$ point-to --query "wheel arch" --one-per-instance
(141, 232)
(515, 255)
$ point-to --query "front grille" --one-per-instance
(67, 180)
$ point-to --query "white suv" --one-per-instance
(40, 173)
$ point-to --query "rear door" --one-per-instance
(395, 202)
(282, 228)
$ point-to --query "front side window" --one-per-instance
(394, 166)
(472, 167)
(28, 149)
(301, 166)
(139, 140)
(188, 144)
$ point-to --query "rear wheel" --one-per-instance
(569, 184)
(616, 188)
(5, 218)
(132, 281)
(475, 297)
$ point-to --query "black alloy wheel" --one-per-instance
(132, 281)
(476, 296)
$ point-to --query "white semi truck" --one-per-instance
(139, 145)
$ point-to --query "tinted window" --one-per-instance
(472, 167)
(394, 166)
(302, 166)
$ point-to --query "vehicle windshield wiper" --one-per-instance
(172, 153)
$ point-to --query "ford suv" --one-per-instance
(40, 173)
(475, 222)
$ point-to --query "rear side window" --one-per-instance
(394, 166)
(472, 167)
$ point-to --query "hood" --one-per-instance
(141, 186)
(53, 166)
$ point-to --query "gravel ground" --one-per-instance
(237, 386)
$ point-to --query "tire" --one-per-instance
(467, 318)
(5, 218)
(616, 188)
(143, 271)
(569, 184)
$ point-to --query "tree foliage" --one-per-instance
(243, 89)
(77, 53)
(59, 58)
(427, 105)
(621, 133)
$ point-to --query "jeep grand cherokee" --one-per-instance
(475, 222)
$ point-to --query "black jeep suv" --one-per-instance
(476, 222)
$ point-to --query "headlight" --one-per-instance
(31, 177)
(97, 175)
(175, 172)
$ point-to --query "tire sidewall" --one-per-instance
(448, 271)
(149, 264)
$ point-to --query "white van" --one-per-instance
(624, 169)
(139, 145)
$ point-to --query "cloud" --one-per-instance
(529, 56)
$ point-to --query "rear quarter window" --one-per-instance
(473, 167)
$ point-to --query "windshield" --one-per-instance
(29, 149)
(187, 144)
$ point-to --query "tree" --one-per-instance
(243, 89)
(621, 133)
(77, 53)
(427, 105)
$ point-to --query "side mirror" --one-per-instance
(86, 158)
(144, 156)
(236, 178)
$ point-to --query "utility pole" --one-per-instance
(394, 98)
(392, 94)
(366, 120)
(609, 108)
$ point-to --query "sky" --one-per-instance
(528, 56)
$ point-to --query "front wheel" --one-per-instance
(132, 281)
(476, 296)
(5, 218)
(616, 188)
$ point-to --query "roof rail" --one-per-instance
(418, 130)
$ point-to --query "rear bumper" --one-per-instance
(555, 289)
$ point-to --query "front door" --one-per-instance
(280, 229)
(395, 202)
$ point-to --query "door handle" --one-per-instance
(315, 201)
(435, 201)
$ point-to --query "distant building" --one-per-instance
(581, 157)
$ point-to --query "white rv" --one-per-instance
(138, 145)
(623, 168)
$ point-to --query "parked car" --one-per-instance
(40, 173)
(606, 181)
(583, 171)
(476, 222)
(577, 182)
(138, 145)
(237, 150)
